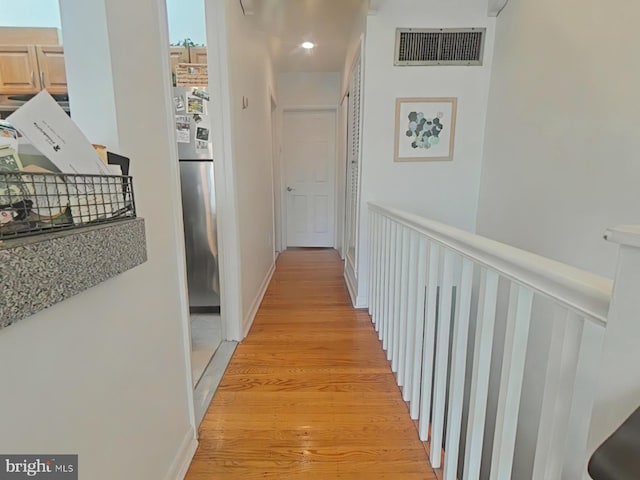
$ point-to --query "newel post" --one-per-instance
(617, 393)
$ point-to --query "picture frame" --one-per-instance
(425, 129)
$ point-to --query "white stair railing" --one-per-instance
(435, 293)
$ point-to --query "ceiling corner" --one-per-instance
(496, 6)
(248, 6)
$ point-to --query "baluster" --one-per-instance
(458, 369)
(401, 340)
(480, 377)
(564, 353)
(378, 270)
(427, 348)
(442, 358)
(515, 352)
(387, 342)
(409, 343)
(589, 360)
(373, 218)
(419, 322)
(385, 279)
(398, 300)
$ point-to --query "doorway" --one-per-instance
(309, 163)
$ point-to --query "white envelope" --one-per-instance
(56, 136)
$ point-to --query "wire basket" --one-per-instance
(34, 203)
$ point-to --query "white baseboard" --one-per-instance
(361, 302)
(351, 282)
(248, 321)
(183, 458)
(358, 301)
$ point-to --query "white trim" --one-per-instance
(280, 223)
(255, 305)
(351, 284)
(182, 461)
(283, 217)
(228, 228)
(341, 181)
(276, 173)
(351, 262)
(628, 235)
(358, 301)
(178, 232)
(337, 187)
(361, 303)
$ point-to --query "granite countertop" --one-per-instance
(40, 271)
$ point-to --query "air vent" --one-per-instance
(439, 46)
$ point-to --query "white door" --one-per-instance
(309, 152)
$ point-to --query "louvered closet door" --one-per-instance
(309, 153)
(353, 165)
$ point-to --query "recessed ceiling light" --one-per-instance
(307, 45)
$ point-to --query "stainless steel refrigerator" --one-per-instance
(195, 151)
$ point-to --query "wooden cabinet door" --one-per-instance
(178, 55)
(53, 76)
(198, 55)
(18, 69)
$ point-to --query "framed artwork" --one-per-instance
(425, 129)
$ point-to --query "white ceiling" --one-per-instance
(288, 23)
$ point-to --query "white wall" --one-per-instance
(444, 191)
(250, 75)
(560, 159)
(104, 374)
(561, 155)
(357, 32)
(308, 89)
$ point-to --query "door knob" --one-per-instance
(290, 189)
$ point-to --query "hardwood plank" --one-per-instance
(309, 394)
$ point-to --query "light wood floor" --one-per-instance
(309, 394)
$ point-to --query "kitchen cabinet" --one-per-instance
(178, 55)
(198, 55)
(186, 55)
(19, 72)
(26, 69)
(53, 76)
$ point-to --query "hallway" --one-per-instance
(309, 393)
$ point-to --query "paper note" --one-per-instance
(183, 129)
(178, 102)
(202, 133)
(197, 92)
(195, 105)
